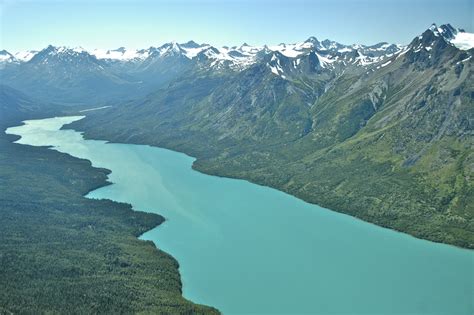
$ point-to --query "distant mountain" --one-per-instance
(6, 58)
(25, 56)
(191, 49)
(71, 75)
(66, 75)
(382, 132)
(453, 36)
(121, 54)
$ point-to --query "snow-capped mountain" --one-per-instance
(24, 56)
(236, 57)
(330, 53)
(6, 57)
(426, 49)
(55, 54)
(121, 54)
(63, 73)
(456, 37)
(144, 70)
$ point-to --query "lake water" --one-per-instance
(245, 248)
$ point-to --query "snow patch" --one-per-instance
(6, 57)
(193, 52)
(463, 40)
(120, 54)
(92, 109)
(324, 61)
(25, 56)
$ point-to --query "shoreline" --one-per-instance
(15, 137)
(192, 274)
(86, 136)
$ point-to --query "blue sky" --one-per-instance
(139, 24)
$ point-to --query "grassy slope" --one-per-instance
(63, 253)
(401, 166)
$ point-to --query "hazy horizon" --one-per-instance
(28, 25)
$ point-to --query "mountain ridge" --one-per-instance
(123, 54)
(389, 141)
(144, 70)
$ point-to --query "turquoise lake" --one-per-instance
(245, 248)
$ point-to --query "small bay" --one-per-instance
(245, 248)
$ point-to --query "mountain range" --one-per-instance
(381, 132)
(76, 75)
